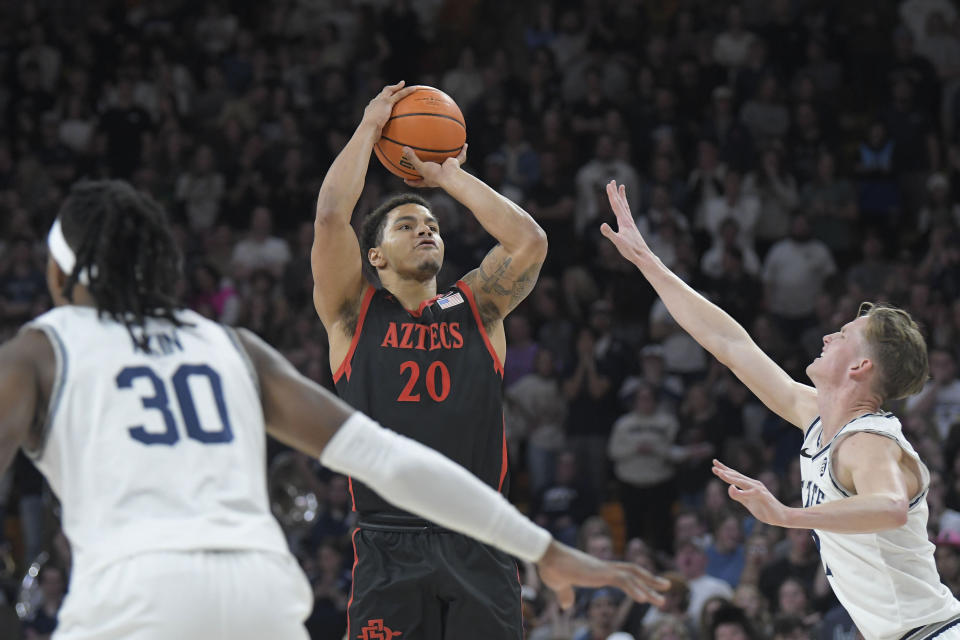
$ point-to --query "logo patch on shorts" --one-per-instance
(376, 630)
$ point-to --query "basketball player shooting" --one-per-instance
(864, 486)
(149, 422)
(432, 367)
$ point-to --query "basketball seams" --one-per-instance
(427, 113)
(415, 148)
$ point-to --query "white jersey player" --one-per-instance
(863, 484)
(149, 422)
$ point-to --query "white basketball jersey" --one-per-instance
(887, 581)
(150, 452)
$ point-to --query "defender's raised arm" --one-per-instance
(709, 325)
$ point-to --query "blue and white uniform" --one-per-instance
(158, 461)
(887, 581)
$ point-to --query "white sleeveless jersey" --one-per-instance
(154, 452)
(887, 581)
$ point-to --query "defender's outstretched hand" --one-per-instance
(752, 494)
(562, 568)
(626, 238)
(433, 174)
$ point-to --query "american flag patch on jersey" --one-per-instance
(449, 300)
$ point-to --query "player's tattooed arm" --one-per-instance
(501, 282)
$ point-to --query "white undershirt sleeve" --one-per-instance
(416, 478)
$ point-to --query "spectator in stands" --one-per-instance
(726, 555)
(940, 397)
(691, 561)
(565, 502)
(201, 190)
(260, 250)
(794, 272)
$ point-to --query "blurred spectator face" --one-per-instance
(638, 553)
(660, 199)
(731, 184)
(600, 316)
(261, 222)
(662, 168)
(748, 598)
(203, 160)
(604, 148)
(691, 561)
(902, 92)
(518, 328)
(792, 598)
(570, 22)
(687, 526)
(513, 131)
(942, 366)
(706, 155)
(548, 164)
(800, 229)
(329, 559)
(544, 363)
(730, 631)
(600, 546)
(734, 18)
(715, 496)
(872, 247)
(826, 166)
(600, 613)
(644, 402)
(566, 470)
(727, 535)
(729, 229)
(805, 116)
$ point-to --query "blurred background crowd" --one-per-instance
(788, 158)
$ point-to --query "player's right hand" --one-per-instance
(379, 109)
(562, 568)
(626, 238)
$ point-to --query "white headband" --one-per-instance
(62, 254)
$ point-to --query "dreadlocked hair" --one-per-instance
(122, 239)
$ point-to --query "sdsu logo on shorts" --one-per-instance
(376, 630)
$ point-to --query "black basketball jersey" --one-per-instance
(431, 374)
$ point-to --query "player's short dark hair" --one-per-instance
(122, 239)
(371, 229)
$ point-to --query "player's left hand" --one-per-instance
(433, 174)
(562, 568)
(752, 494)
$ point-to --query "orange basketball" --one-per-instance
(429, 122)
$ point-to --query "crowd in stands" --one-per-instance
(787, 158)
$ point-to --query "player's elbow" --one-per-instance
(535, 244)
(896, 509)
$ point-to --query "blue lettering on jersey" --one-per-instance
(160, 402)
(161, 343)
(812, 494)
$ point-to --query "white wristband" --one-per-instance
(416, 478)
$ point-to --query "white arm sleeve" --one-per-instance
(416, 478)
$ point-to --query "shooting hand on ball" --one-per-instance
(379, 109)
(434, 174)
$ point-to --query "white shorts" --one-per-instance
(193, 595)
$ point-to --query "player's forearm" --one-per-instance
(344, 181)
(706, 323)
(418, 479)
(868, 513)
(513, 228)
